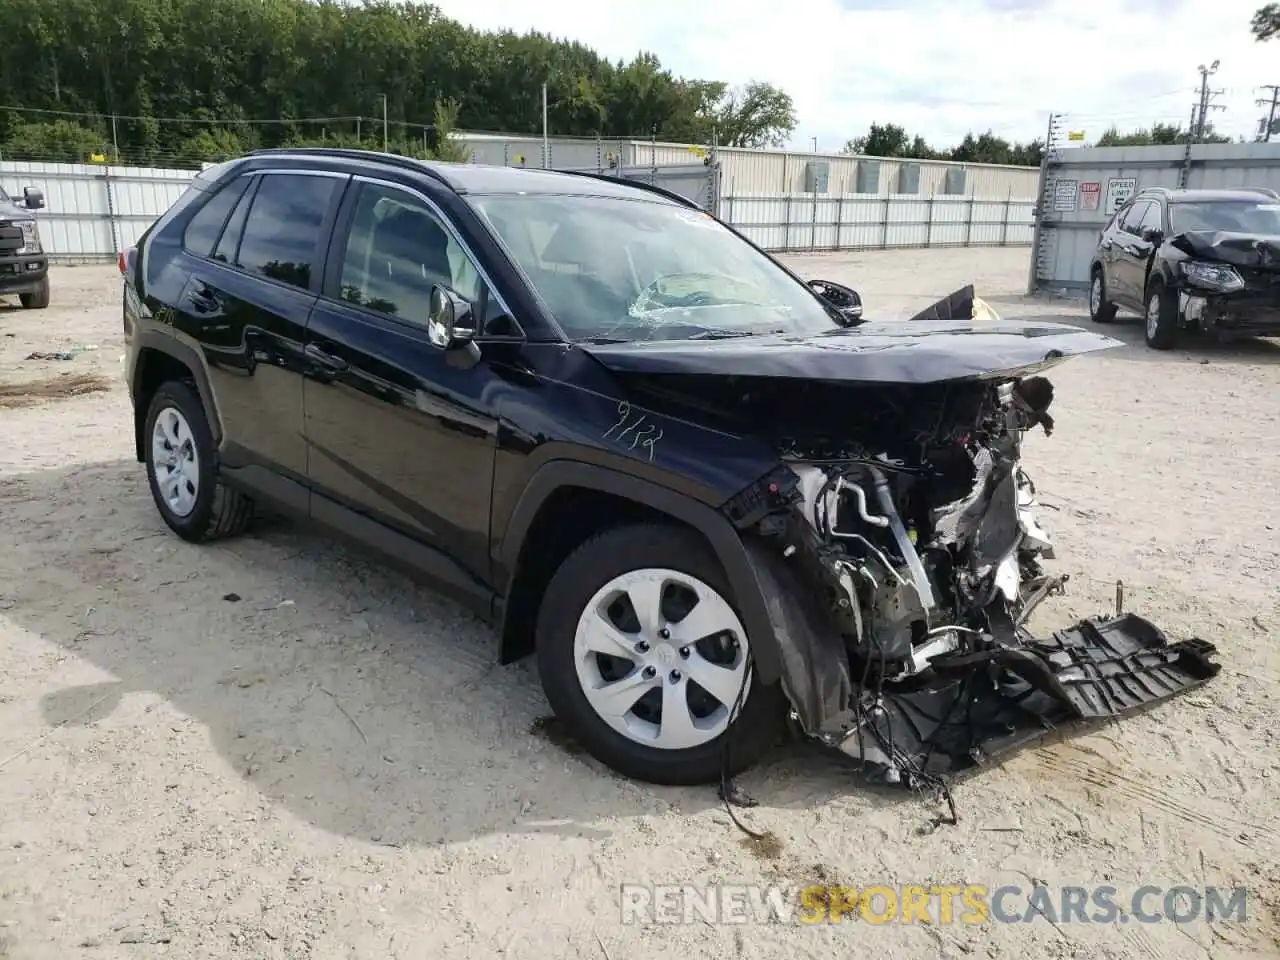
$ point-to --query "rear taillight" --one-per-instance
(127, 262)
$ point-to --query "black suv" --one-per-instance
(607, 422)
(1206, 260)
(24, 269)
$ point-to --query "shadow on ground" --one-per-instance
(361, 702)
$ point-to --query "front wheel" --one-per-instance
(646, 661)
(1162, 317)
(38, 299)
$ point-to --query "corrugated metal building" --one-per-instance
(759, 173)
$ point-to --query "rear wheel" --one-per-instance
(646, 661)
(181, 470)
(37, 300)
(1100, 311)
(1161, 317)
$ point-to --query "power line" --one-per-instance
(216, 121)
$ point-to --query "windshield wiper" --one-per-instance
(714, 334)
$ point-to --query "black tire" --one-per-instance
(597, 561)
(1106, 311)
(219, 510)
(38, 300)
(1165, 333)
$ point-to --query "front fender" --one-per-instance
(720, 534)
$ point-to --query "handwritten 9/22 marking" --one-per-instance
(643, 433)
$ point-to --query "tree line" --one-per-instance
(185, 81)
(188, 79)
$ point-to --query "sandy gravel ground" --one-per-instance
(333, 766)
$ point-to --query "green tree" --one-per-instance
(186, 79)
(1266, 22)
(891, 140)
(1161, 134)
(755, 115)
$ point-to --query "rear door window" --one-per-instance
(203, 228)
(282, 234)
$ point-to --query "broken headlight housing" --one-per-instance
(30, 237)
(1213, 276)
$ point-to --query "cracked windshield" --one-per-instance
(614, 270)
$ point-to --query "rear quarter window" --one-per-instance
(205, 226)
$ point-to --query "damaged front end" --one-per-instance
(901, 559)
(1229, 283)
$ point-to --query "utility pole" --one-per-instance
(1206, 96)
(384, 124)
(1269, 124)
(546, 140)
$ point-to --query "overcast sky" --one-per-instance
(937, 68)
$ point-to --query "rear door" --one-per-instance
(259, 246)
(400, 432)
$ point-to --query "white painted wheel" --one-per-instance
(662, 658)
(175, 462)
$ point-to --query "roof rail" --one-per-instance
(639, 184)
(351, 153)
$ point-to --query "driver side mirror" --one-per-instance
(1152, 234)
(846, 300)
(450, 324)
(33, 198)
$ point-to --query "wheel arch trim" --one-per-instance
(151, 340)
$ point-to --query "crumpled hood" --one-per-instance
(919, 351)
(1237, 249)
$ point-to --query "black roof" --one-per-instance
(476, 178)
(1242, 195)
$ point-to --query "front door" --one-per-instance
(397, 433)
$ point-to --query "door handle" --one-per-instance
(203, 299)
(322, 359)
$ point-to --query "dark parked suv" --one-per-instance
(1205, 260)
(24, 268)
(696, 485)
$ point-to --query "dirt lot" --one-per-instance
(333, 766)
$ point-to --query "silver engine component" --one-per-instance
(894, 601)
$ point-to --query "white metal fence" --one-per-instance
(92, 212)
(802, 222)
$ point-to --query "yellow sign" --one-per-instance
(1075, 134)
(97, 158)
(698, 151)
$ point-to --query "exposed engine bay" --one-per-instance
(901, 557)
